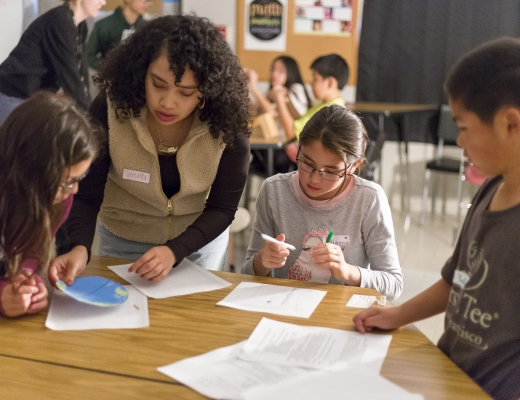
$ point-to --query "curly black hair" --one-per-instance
(189, 41)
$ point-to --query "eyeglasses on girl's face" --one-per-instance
(326, 175)
(68, 186)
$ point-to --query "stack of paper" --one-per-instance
(278, 357)
(186, 278)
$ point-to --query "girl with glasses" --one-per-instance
(46, 148)
(340, 224)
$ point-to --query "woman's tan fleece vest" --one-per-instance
(141, 211)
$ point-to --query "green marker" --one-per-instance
(329, 237)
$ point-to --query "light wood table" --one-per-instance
(186, 326)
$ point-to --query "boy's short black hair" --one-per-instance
(487, 78)
(332, 65)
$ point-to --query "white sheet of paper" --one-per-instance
(314, 347)
(361, 301)
(352, 383)
(219, 374)
(186, 278)
(281, 300)
(67, 314)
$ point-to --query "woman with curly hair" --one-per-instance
(174, 101)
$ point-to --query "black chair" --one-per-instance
(447, 132)
(373, 157)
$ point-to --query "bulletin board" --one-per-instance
(304, 48)
(154, 8)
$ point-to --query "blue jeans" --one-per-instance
(7, 105)
(213, 256)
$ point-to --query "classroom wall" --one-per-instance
(13, 20)
(221, 12)
(11, 25)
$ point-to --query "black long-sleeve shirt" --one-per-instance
(49, 56)
(221, 204)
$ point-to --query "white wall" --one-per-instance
(11, 25)
(220, 12)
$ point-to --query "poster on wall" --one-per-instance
(323, 17)
(265, 23)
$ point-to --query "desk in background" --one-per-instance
(35, 361)
(402, 111)
(270, 145)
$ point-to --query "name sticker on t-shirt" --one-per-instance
(137, 176)
(339, 240)
(460, 278)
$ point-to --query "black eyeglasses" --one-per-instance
(70, 185)
(328, 176)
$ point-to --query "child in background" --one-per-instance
(286, 86)
(46, 147)
(324, 196)
(285, 79)
(109, 31)
(479, 289)
(329, 76)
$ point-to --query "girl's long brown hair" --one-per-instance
(39, 141)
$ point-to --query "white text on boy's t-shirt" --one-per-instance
(137, 176)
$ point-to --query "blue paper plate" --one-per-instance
(95, 290)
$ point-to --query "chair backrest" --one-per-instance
(447, 129)
(373, 156)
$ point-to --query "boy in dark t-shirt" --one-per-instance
(480, 285)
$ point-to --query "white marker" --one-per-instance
(273, 240)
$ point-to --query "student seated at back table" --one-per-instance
(285, 79)
(287, 84)
(329, 76)
(109, 31)
(324, 196)
(480, 284)
(46, 147)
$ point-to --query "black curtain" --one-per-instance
(407, 48)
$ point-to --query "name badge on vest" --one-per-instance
(136, 176)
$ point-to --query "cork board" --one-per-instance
(304, 48)
(154, 8)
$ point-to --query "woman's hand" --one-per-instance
(67, 266)
(155, 264)
(25, 295)
(328, 255)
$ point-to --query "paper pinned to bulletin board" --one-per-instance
(265, 26)
(323, 17)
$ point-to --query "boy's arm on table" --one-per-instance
(426, 304)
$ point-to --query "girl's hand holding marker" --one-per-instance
(273, 240)
(274, 252)
(329, 255)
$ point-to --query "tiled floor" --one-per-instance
(422, 253)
